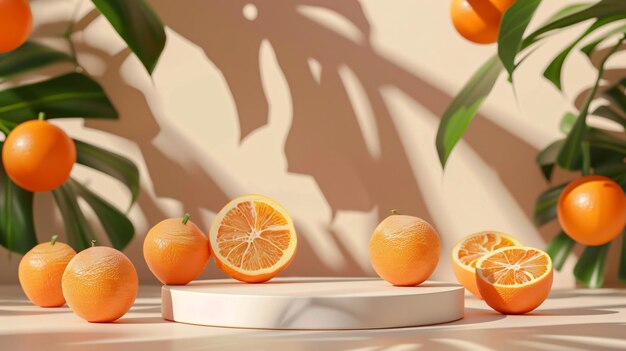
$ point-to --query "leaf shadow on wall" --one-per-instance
(186, 182)
(325, 140)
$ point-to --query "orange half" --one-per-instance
(514, 280)
(470, 249)
(253, 239)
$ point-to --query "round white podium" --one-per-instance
(312, 303)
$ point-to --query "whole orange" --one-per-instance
(478, 20)
(176, 251)
(40, 272)
(38, 156)
(100, 284)
(592, 210)
(404, 250)
(16, 24)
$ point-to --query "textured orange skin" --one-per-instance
(259, 278)
(467, 279)
(518, 299)
(16, 24)
(40, 272)
(478, 20)
(38, 156)
(176, 253)
(404, 250)
(592, 210)
(100, 284)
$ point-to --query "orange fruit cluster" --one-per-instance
(252, 239)
(478, 20)
(511, 278)
(99, 284)
(470, 249)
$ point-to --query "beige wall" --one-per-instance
(331, 107)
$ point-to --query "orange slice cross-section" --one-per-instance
(514, 279)
(253, 238)
(470, 249)
(514, 266)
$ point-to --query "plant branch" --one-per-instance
(67, 35)
(586, 154)
(586, 158)
(601, 69)
(572, 148)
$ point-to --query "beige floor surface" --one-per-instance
(571, 320)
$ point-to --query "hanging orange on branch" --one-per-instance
(16, 24)
(38, 156)
(478, 20)
(592, 210)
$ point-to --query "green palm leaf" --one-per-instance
(70, 95)
(109, 163)
(17, 228)
(29, 57)
(137, 23)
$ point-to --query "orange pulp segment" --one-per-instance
(470, 249)
(253, 238)
(514, 266)
(514, 280)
